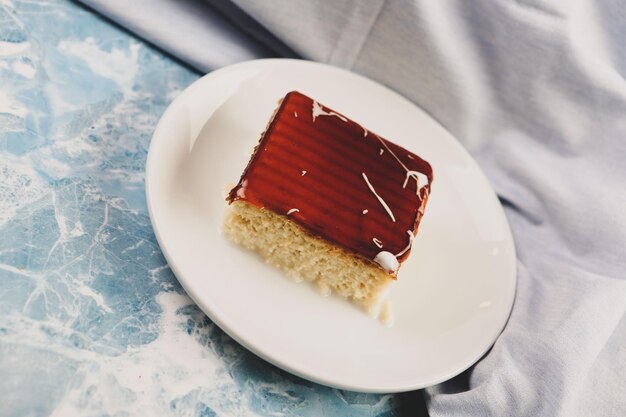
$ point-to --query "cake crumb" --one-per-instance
(324, 290)
(386, 314)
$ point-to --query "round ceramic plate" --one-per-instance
(454, 293)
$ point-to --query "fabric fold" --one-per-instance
(533, 89)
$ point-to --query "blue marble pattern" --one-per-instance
(92, 321)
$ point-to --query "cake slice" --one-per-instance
(328, 201)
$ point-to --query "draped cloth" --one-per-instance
(535, 90)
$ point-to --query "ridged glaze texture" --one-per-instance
(316, 165)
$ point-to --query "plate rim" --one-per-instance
(269, 62)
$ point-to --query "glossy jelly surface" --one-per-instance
(337, 180)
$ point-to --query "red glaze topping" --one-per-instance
(337, 180)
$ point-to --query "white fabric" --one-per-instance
(535, 90)
(191, 30)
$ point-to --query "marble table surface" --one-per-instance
(92, 320)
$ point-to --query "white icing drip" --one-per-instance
(409, 174)
(421, 208)
(377, 242)
(382, 202)
(319, 111)
(418, 177)
(241, 193)
(411, 237)
(387, 261)
(303, 173)
(382, 151)
(364, 132)
(410, 157)
(295, 113)
(366, 211)
(293, 210)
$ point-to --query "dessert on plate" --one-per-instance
(330, 202)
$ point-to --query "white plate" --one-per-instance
(453, 296)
